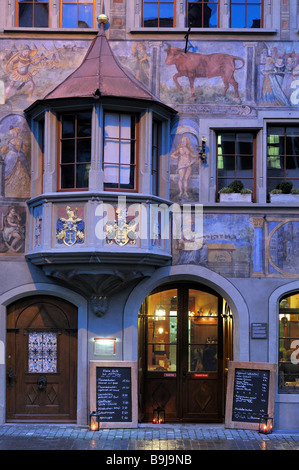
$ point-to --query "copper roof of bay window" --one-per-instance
(100, 74)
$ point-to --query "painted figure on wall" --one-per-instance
(21, 68)
(142, 67)
(186, 158)
(15, 152)
(13, 231)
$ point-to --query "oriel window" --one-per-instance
(74, 151)
(202, 14)
(77, 13)
(33, 13)
(246, 13)
(119, 162)
(158, 13)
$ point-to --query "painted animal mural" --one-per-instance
(195, 65)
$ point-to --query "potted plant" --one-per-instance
(284, 193)
(235, 192)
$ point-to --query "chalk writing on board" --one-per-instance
(251, 391)
(113, 394)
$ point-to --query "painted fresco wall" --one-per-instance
(28, 70)
(252, 76)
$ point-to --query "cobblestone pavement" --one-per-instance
(146, 437)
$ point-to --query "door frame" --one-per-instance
(78, 301)
(183, 381)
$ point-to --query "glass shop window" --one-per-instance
(119, 160)
(282, 156)
(74, 151)
(202, 14)
(246, 13)
(33, 13)
(288, 354)
(235, 159)
(77, 13)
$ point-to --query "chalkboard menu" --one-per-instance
(113, 394)
(250, 393)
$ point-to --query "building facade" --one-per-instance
(149, 186)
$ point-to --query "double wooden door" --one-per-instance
(183, 354)
(41, 360)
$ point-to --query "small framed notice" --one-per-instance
(250, 394)
(113, 393)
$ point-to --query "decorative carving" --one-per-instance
(99, 305)
(119, 231)
(71, 230)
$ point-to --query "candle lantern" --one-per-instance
(94, 421)
(158, 416)
(266, 425)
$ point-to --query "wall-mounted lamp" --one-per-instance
(202, 150)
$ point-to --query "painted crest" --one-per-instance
(70, 230)
(120, 231)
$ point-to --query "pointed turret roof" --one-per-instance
(100, 74)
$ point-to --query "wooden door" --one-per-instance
(41, 360)
(181, 354)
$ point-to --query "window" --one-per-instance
(156, 152)
(282, 156)
(33, 13)
(77, 13)
(235, 159)
(246, 14)
(288, 358)
(75, 150)
(203, 14)
(42, 352)
(119, 160)
(158, 13)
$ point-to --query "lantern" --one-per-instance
(266, 425)
(94, 421)
(158, 416)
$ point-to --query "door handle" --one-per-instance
(42, 382)
(10, 377)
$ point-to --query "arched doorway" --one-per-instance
(41, 360)
(185, 336)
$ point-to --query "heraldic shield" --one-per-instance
(71, 230)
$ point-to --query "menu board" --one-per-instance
(113, 393)
(250, 394)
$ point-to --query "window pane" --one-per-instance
(41, 15)
(111, 175)
(68, 126)
(42, 352)
(84, 125)
(83, 150)
(68, 151)
(166, 16)
(69, 16)
(111, 125)
(111, 151)
(253, 16)
(85, 16)
(244, 144)
(150, 15)
(127, 176)
(26, 15)
(238, 16)
(82, 172)
(68, 176)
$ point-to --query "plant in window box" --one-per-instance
(284, 193)
(235, 192)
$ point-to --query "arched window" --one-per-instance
(288, 355)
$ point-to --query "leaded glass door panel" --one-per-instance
(41, 360)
